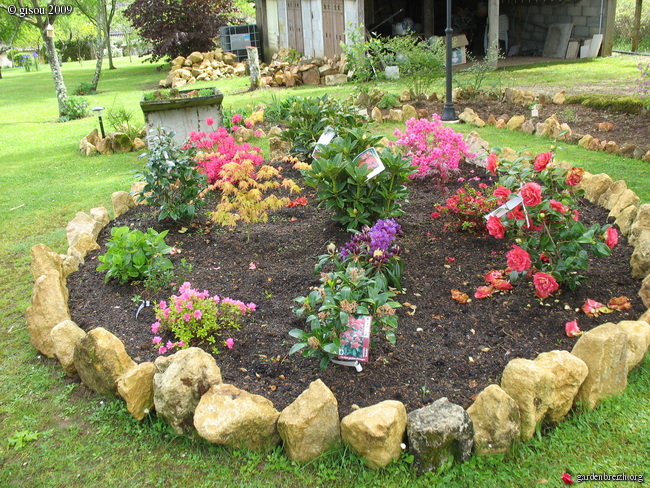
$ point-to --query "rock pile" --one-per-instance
(202, 67)
(114, 142)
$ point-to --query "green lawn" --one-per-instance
(55, 433)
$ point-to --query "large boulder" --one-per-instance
(479, 147)
(100, 359)
(122, 201)
(612, 194)
(179, 383)
(640, 260)
(278, 147)
(375, 433)
(496, 421)
(641, 223)
(84, 223)
(626, 219)
(64, 339)
(569, 372)
(439, 433)
(310, 425)
(49, 308)
(409, 112)
(594, 185)
(638, 341)
(235, 418)
(136, 387)
(644, 292)
(531, 386)
(627, 199)
(604, 350)
(84, 243)
(43, 259)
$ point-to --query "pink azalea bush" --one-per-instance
(553, 245)
(434, 149)
(196, 318)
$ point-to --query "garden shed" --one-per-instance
(316, 28)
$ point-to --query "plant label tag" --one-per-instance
(511, 204)
(371, 159)
(355, 364)
(355, 340)
(325, 138)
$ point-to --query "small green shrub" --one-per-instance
(473, 80)
(133, 254)
(614, 103)
(161, 276)
(123, 120)
(85, 88)
(388, 101)
(75, 108)
(173, 183)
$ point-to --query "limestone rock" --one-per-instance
(64, 339)
(605, 126)
(43, 259)
(139, 144)
(508, 154)
(638, 341)
(86, 148)
(531, 386)
(496, 421)
(100, 359)
(516, 122)
(611, 147)
(235, 418)
(395, 115)
(278, 147)
(375, 433)
(179, 383)
(82, 246)
(569, 372)
(405, 96)
(625, 200)
(479, 147)
(122, 202)
(595, 186)
(640, 261)
(628, 150)
(612, 194)
(646, 156)
(336, 79)
(83, 223)
(48, 309)
(551, 127)
(409, 112)
(585, 141)
(604, 350)
(310, 425)
(559, 98)
(641, 223)
(195, 57)
(470, 117)
(626, 218)
(638, 153)
(438, 433)
(136, 387)
(501, 124)
(645, 317)
(644, 292)
(528, 127)
(491, 120)
(376, 115)
(594, 145)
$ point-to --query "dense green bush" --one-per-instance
(85, 88)
(75, 108)
(614, 103)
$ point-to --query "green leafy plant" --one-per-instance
(342, 294)
(473, 80)
(388, 101)
(20, 439)
(344, 187)
(85, 88)
(161, 277)
(363, 56)
(172, 182)
(133, 254)
(123, 120)
(75, 108)
(308, 117)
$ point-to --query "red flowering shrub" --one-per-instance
(466, 209)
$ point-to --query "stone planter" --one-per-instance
(183, 115)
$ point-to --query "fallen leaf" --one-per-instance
(473, 383)
(486, 349)
(182, 230)
(459, 296)
(619, 303)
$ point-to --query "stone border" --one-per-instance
(186, 388)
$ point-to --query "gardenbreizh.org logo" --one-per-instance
(569, 479)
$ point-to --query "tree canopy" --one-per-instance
(179, 27)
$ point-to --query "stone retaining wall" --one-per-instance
(187, 390)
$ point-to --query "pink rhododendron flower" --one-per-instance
(572, 329)
(230, 343)
(590, 307)
(483, 292)
(162, 350)
(611, 237)
(197, 314)
(209, 120)
(531, 193)
(574, 176)
(156, 340)
(236, 119)
(545, 284)
(495, 227)
(542, 160)
(155, 327)
(518, 259)
(492, 163)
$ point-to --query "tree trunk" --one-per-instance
(57, 75)
(637, 25)
(100, 46)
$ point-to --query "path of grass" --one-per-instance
(86, 441)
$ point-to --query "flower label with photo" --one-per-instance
(355, 340)
(371, 159)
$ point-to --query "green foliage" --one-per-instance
(21, 438)
(388, 101)
(473, 80)
(85, 88)
(123, 120)
(75, 108)
(161, 276)
(327, 309)
(308, 117)
(344, 188)
(614, 103)
(363, 57)
(133, 254)
(172, 182)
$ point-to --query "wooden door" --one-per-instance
(333, 27)
(294, 25)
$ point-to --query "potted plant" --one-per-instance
(182, 111)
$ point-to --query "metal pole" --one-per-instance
(101, 126)
(448, 111)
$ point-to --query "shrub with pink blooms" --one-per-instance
(434, 149)
(465, 210)
(553, 245)
(196, 318)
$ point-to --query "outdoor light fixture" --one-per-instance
(49, 30)
(448, 111)
(98, 111)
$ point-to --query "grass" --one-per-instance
(54, 432)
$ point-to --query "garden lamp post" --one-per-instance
(98, 111)
(448, 111)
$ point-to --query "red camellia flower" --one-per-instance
(502, 285)
(501, 193)
(531, 193)
(495, 227)
(611, 237)
(591, 307)
(545, 284)
(492, 163)
(574, 176)
(542, 160)
(555, 205)
(493, 276)
(483, 292)
(518, 259)
(572, 329)
(516, 214)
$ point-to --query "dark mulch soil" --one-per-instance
(443, 348)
